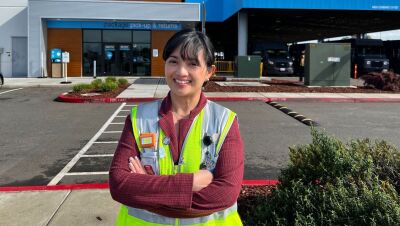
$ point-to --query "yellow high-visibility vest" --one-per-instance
(213, 122)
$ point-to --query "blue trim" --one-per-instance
(220, 10)
(114, 25)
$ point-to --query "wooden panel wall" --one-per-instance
(158, 40)
(69, 40)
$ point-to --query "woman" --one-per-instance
(179, 161)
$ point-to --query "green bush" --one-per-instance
(81, 87)
(96, 83)
(111, 79)
(122, 82)
(108, 86)
(331, 183)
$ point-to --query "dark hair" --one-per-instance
(191, 43)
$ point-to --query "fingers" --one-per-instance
(135, 165)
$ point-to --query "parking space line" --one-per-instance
(120, 116)
(130, 105)
(86, 173)
(126, 110)
(10, 90)
(74, 160)
(105, 142)
(102, 155)
(112, 132)
(117, 123)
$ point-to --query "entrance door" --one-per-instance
(19, 57)
(117, 59)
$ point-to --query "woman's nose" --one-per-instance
(182, 69)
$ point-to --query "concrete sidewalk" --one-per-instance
(58, 208)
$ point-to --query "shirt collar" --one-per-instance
(166, 106)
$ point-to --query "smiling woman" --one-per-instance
(180, 160)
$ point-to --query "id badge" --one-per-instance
(149, 160)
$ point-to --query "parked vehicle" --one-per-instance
(275, 57)
(367, 55)
(392, 49)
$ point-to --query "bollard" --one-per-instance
(94, 69)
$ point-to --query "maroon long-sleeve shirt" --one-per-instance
(172, 195)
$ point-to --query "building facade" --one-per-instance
(111, 37)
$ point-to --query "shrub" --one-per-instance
(81, 87)
(108, 86)
(388, 81)
(122, 82)
(331, 183)
(111, 79)
(96, 83)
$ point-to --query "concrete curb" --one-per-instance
(105, 186)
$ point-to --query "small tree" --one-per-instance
(328, 182)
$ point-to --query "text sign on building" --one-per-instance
(115, 25)
(65, 57)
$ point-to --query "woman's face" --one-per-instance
(186, 77)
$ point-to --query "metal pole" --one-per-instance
(66, 72)
(203, 17)
(94, 69)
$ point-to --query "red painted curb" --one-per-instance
(55, 187)
(63, 98)
(104, 186)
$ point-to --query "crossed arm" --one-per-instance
(180, 195)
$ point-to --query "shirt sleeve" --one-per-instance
(145, 191)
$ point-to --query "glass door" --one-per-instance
(124, 57)
(117, 59)
(110, 59)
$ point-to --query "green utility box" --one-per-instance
(327, 64)
(248, 66)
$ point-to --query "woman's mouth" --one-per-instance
(182, 82)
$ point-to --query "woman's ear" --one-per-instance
(211, 71)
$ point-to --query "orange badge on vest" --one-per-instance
(148, 140)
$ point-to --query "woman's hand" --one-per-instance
(201, 179)
(136, 166)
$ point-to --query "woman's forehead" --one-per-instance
(188, 54)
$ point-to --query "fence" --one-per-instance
(224, 66)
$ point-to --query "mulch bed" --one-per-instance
(277, 85)
(99, 95)
(248, 197)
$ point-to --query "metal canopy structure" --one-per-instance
(301, 25)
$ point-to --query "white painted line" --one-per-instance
(117, 123)
(125, 110)
(112, 132)
(73, 161)
(86, 173)
(102, 155)
(105, 142)
(120, 116)
(10, 90)
(130, 105)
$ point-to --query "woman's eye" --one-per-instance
(172, 61)
(193, 64)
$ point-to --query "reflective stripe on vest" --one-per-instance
(213, 120)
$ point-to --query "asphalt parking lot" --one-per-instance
(47, 142)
